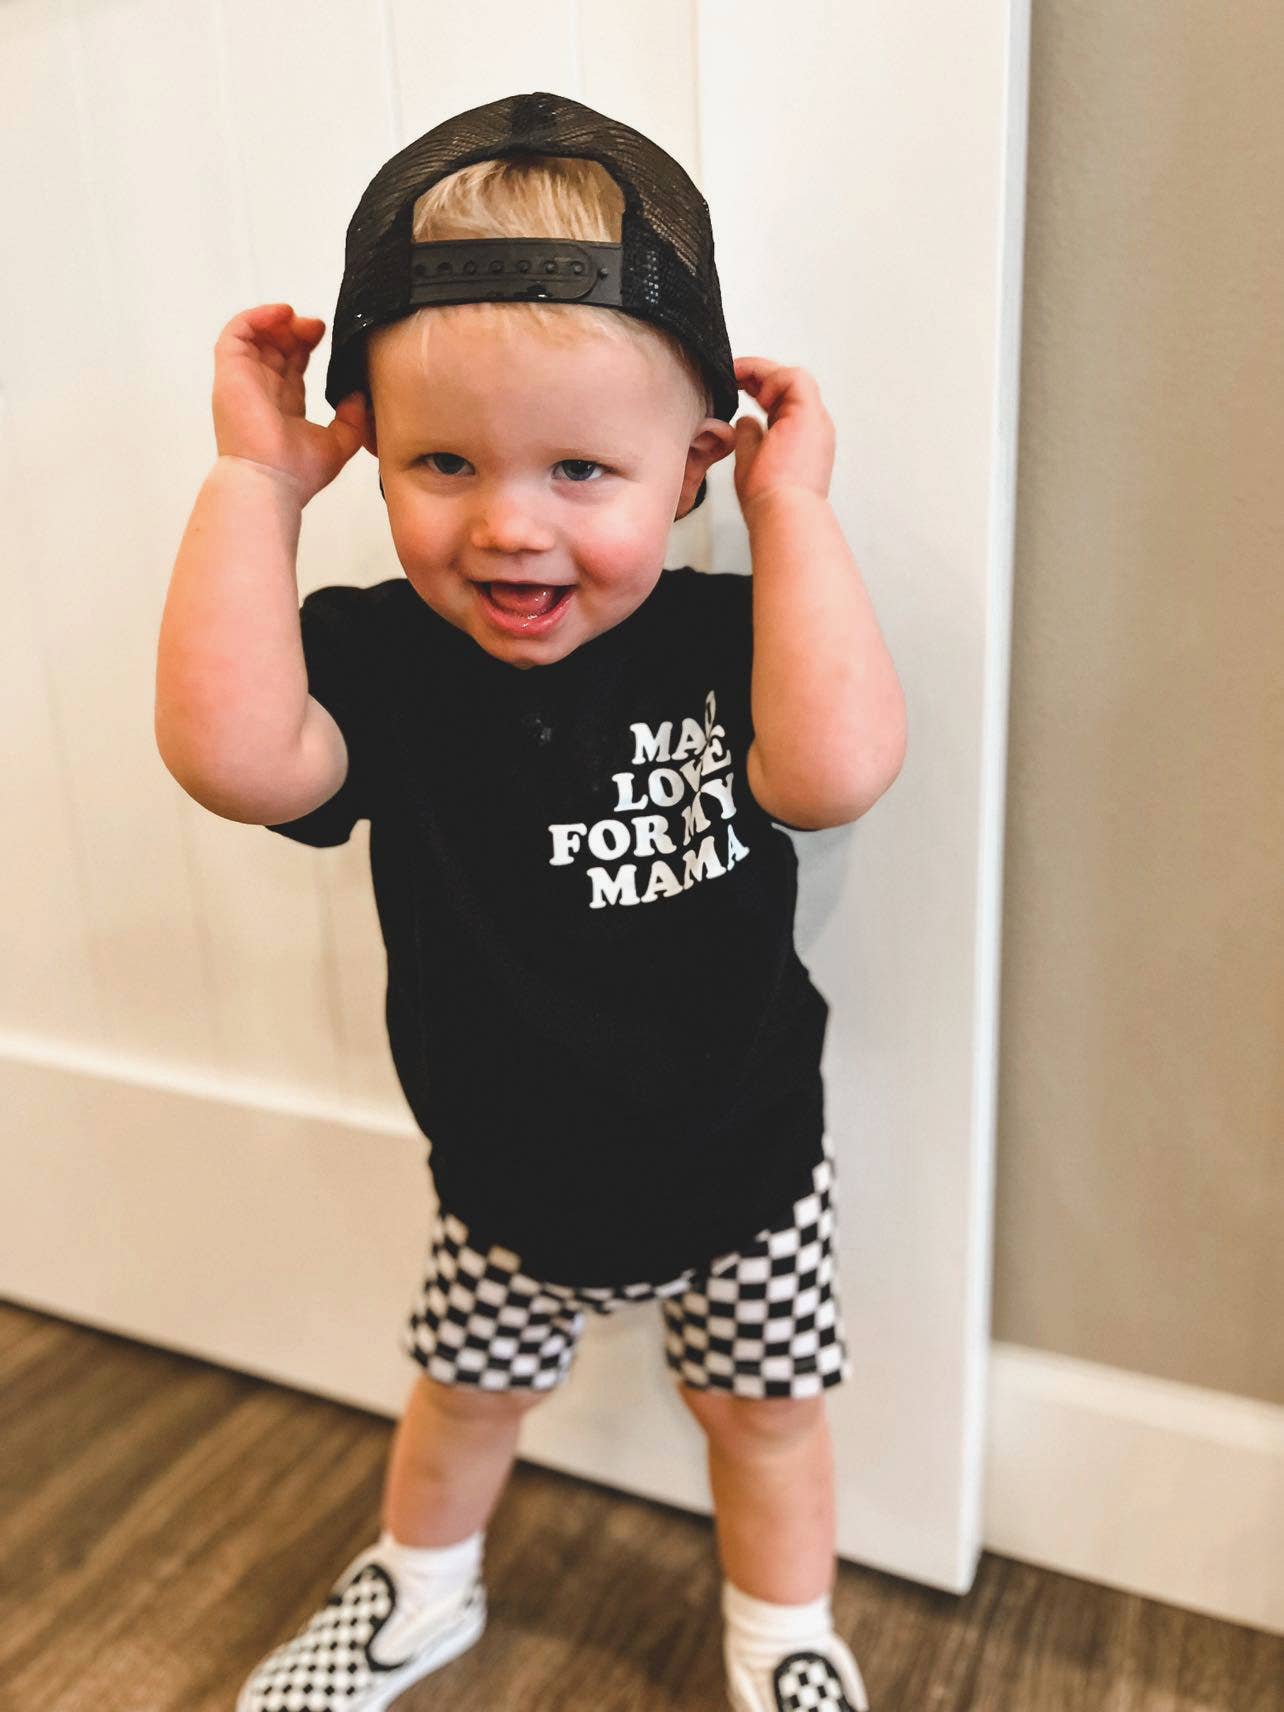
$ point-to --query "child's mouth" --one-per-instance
(524, 608)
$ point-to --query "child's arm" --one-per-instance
(234, 722)
(828, 709)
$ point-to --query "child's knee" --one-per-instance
(752, 1423)
(473, 1403)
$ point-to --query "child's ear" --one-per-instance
(368, 437)
(713, 441)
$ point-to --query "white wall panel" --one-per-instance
(120, 261)
(297, 961)
(447, 63)
(864, 165)
(46, 941)
(46, 935)
(192, 1056)
(639, 66)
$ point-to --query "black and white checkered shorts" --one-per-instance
(761, 1322)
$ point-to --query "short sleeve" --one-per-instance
(335, 625)
(732, 593)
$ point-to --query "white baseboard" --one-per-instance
(1162, 1489)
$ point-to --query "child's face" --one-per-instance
(506, 456)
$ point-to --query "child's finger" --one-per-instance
(749, 431)
(347, 429)
(274, 325)
(266, 318)
(352, 409)
(301, 348)
(285, 336)
(307, 335)
(242, 342)
(751, 372)
(788, 388)
(244, 328)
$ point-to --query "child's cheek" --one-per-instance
(419, 535)
(614, 548)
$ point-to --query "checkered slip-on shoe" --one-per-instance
(360, 1651)
(803, 1681)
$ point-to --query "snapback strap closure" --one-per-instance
(467, 270)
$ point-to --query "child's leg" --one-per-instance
(754, 1344)
(771, 1474)
(450, 1461)
(415, 1599)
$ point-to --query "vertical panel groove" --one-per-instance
(105, 280)
(577, 38)
(391, 76)
(697, 116)
(230, 145)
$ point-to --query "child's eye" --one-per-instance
(577, 468)
(579, 464)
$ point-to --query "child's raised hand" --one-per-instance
(258, 399)
(796, 450)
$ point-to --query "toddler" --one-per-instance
(575, 764)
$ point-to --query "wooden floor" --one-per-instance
(164, 1523)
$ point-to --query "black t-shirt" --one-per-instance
(595, 1007)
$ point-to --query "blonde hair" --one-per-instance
(542, 196)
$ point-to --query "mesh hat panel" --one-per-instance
(667, 273)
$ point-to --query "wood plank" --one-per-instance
(165, 1522)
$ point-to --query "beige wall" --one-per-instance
(1140, 1182)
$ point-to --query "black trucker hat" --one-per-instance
(661, 271)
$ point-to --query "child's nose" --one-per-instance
(506, 526)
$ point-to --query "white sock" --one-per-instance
(433, 1583)
(434, 1575)
(758, 1634)
(757, 1627)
